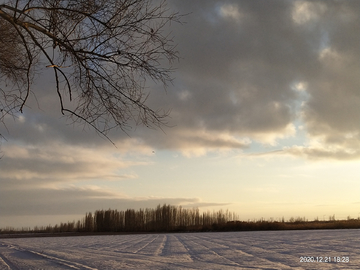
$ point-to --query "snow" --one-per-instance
(213, 250)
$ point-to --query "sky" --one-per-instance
(264, 121)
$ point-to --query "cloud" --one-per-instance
(231, 12)
(306, 12)
(196, 142)
(245, 69)
(323, 153)
(49, 165)
(78, 201)
(283, 64)
(239, 76)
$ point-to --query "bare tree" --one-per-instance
(101, 53)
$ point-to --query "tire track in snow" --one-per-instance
(5, 263)
(161, 247)
(67, 263)
(71, 264)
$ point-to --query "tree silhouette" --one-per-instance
(101, 54)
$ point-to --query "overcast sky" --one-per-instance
(265, 121)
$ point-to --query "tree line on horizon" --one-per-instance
(163, 218)
(169, 218)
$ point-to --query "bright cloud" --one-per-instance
(230, 11)
(305, 11)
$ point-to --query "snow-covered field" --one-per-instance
(229, 250)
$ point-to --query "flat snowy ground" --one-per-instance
(229, 250)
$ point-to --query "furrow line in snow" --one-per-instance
(175, 249)
(212, 241)
(67, 263)
(221, 248)
(144, 246)
(4, 262)
(218, 259)
(195, 256)
(131, 244)
(161, 247)
(250, 257)
(270, 257)
(191, 254)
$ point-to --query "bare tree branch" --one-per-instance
(105, 51)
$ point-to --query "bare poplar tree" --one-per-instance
(101, 53)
